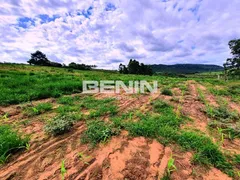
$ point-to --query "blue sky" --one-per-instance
(107, 33)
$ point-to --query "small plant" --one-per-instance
(63, 169)
(28, 146)
(170, 166)
(220, 132)
(83, 158)
(59, 125)
(167, 92)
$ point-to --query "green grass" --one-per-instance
(221, 113)
(167, 92)
(10, 142)
(224, 119)
(23, 83)
(98, 131)
(38, 109)
(99, 107)
(59, 125)
(207, 151)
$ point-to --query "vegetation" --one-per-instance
(159, 120)
(40, 59)
(185, 68)
(98, 131)
(167, 92)
(10, 142)
(232, 66)
(135, 68)
(59, 125)
(36, 110)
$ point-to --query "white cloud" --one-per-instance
(108, 32)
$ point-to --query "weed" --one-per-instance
(39, 109)
(10, 142)
(98, 131)
(221, 113)
(63, 169)
(66, 100)
(170, 166)
(28, 146)
(59, 125)
(167, 92)
(207, 151)
(83, 158)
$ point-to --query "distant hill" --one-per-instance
(185, 68)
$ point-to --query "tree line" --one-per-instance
(134, 67)
(40, 59)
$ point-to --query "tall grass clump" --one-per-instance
(10, 142)
(98, 131)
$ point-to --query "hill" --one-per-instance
(185, 68)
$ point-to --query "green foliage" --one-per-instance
(98, 131)
(69, 100)
(221, 113)
(39, 109)
(99, 107)
(59, 125)
(167, 92)
(236, 160)
(207, 151)
(10, 142)
(163, 126)
(135, 68)
(232, 65)
(63, 169)
(17, 85)
(170, 166)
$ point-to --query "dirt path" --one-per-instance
(193, 108)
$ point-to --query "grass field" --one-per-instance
(189, 129)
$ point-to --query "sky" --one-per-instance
(107, 33)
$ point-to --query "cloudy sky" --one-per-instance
(107, 33)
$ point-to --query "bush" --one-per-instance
(10, 142)
(59, 125)
(167, 92)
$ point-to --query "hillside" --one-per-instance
(50, 130)
(185, 68)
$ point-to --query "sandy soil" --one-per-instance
(122, 157)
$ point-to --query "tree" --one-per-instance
(232, 65)
(38, 58)
(123, 69)
(135, 68)
(74, 65)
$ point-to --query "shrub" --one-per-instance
(59, 125)
(10, 142)
(167, 92)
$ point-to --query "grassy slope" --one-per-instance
(22, 83)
